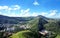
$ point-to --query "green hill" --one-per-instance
(31, 33)
(49, 25)
(23, 34)
(35, 24)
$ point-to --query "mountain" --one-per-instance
(13, 20)
(43, 17)
(36, 24)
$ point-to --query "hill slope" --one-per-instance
(13, 20)
(23, 34)
(35, 24)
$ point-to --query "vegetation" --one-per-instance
(58, 36)
(23, 34)
(1, 34)
(51, 25)
(32, 32)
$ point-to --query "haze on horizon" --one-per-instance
(25, 8)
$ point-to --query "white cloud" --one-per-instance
(44, 13)
(9, 9)
(25, 13)
(34, 14)
(53, 12)
(4, 7)
(0, 12)
(10, 14)
(14, 7)
(27, 10)
(0, 7)
(13, 15)
(35, 3)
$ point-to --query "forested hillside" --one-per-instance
(50, 25)
(33, 26)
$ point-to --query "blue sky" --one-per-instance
(25, 8)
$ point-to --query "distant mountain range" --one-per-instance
(17, 20)
(37, 23)
(13, 20)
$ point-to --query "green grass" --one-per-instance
(27, 33)
(23, 34)
(19, 34)
(58, 36)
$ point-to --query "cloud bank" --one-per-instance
(17, 11)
